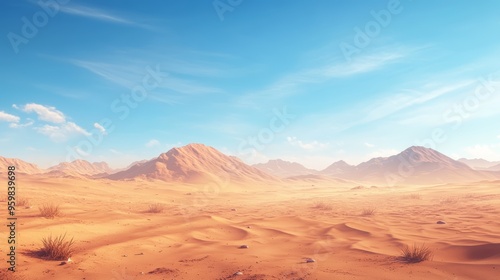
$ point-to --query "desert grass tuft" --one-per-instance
(49, 210)
(416, 253)
(368, 212)
(156, 208)
(57, 248)
(320, 205)
(24, 202)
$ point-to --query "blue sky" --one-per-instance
(306, 81)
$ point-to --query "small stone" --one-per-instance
(233, 209)
(239, 273)
(441, 222)
(244, 247)
(309, 260)
(249, 227)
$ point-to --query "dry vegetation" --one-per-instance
(368, 212)
(24, 202)
(322, 206)
(156, 208)
(416, 253)
(49, 210)
(57, 248)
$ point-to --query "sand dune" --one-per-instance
(199, 234)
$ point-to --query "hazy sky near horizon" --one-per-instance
(306, 81)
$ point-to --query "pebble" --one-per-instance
(309, 260)
(244, 247)
(441, 222)
(238, 273)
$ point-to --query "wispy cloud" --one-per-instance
(369, 145)
(99, 14)
(293, 83)
(60, 133)
(129, 74)
(398, 102)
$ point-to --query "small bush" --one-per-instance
(416, 253)
(49, 210)
(322, 206)
(368, 212)
(156, 208)
(23, 202)
(57, 248)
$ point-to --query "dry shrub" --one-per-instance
(322, 206)
(57, 248)
(49, 210)
(416, 253)
(368, 212)
(24, 202)
(156, 208)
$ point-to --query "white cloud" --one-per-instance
(16, 125)
(306, 146)
(62, 132)
(45, 113)
(100, 128)
(369, 145)
(4, 117)
(153, 143)
(481, 151)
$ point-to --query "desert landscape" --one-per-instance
(195, 213)
(249, 140)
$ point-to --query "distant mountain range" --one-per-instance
(481, 164)
(415, 165)
(197, 163)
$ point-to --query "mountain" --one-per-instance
(416, 165)
(338, 168)
(21, 166)
(129, 166)
(494, 168)
(82, 167)
(283, 169)
(194, 163)
(479, 163)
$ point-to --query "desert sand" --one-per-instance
(199, 233)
